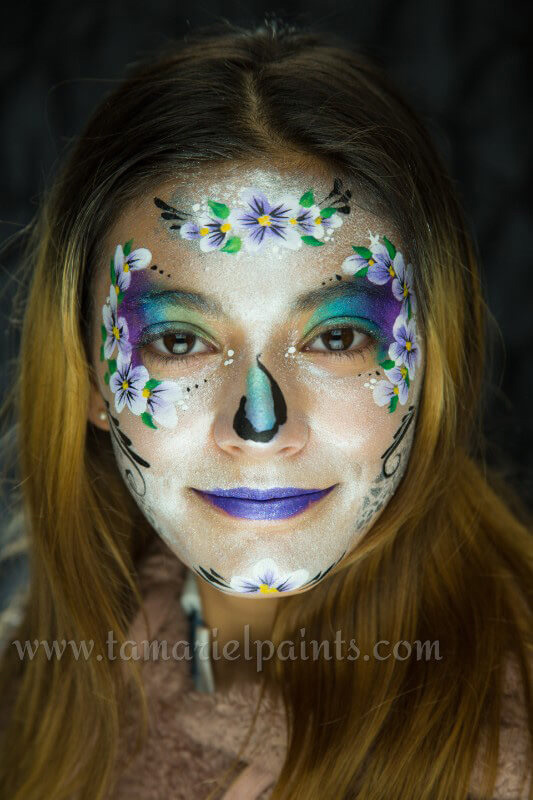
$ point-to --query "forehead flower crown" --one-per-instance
(258, 221)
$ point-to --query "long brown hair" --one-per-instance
(447, 560)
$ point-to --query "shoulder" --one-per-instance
(514, 774)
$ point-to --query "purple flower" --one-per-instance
(264, 222)
(125, 265)
(116, 328)
(381, 268)
(160, 399)
(331, 222)
(402, 288)
(266, 578)
(213, 231)
(405, 350)
(127, 384)
(399, 376)
(307, 221)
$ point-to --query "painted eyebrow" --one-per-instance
(179, 297)
(310, 300)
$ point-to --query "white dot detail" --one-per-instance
(196, 207)
(231, 353)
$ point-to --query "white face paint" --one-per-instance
(260, 362)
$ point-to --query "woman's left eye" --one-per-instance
(341, 339)
(179, 343)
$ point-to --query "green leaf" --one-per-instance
(364, 252)
(147, 419)
(120, 297)
(233, 245)
(152, 383)
(112, 364)
(390, 248)
(104, 332)
(218, 209)
(326, 213)
(127, 247)
(407, 382)
(112, 272)
(408, 308)
(102, 356)
(388, 364)
(361, 273)
(312, 241)
(393, 403)
(107, 377)
(307, 199)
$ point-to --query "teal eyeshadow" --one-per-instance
(373, 314)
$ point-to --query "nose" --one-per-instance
(262, 425)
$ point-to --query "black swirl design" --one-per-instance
(398, 436)
(125, 445)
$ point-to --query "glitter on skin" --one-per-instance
(335, 433)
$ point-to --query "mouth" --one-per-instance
(263, 504)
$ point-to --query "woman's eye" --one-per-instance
(338, 340)
(180, 343)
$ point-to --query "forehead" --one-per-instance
(269, 277)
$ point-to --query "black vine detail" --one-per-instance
(322, 573)
(242, 424)
(398, 436)
(171, 214)
(339, 198)
(124, 442)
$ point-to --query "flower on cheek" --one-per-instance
(264, 222)
(160, 398)
(127, 384)
(266, 578)
(116, 327)
(405, 350)
(395, 389)
(127, 262)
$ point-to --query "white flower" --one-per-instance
(126, 264)
(127, 384)
(116, 328)
(265, 577)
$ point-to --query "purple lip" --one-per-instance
(275, 503)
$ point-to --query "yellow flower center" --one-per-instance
(318, 221)
(116, 332)
(371, 262)
(405, 291)
(396, 390)
(264, 220)
(203, 231)
(403, 370)
(146, 393)
(125, 384)
(293, 221)
(391, 272)
(126, 266)
(265, 588)
(408, 346)
(117, 290)
(225, 227)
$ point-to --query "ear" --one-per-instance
(96, 412)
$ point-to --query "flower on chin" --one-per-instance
(263, 222)
(116, 328)
(265, 578)
(213, 232)
(126, 264)
(381, 268)
(127, 383)
(405, 349)
(160, 400)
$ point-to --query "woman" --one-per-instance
(263, 345)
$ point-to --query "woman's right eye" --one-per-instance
(180, 344)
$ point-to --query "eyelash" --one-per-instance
(165, 359)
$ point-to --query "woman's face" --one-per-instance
(257, 354)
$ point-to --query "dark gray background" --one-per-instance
(461, 64)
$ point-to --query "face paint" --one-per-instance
(263, 409)
(261, 399)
